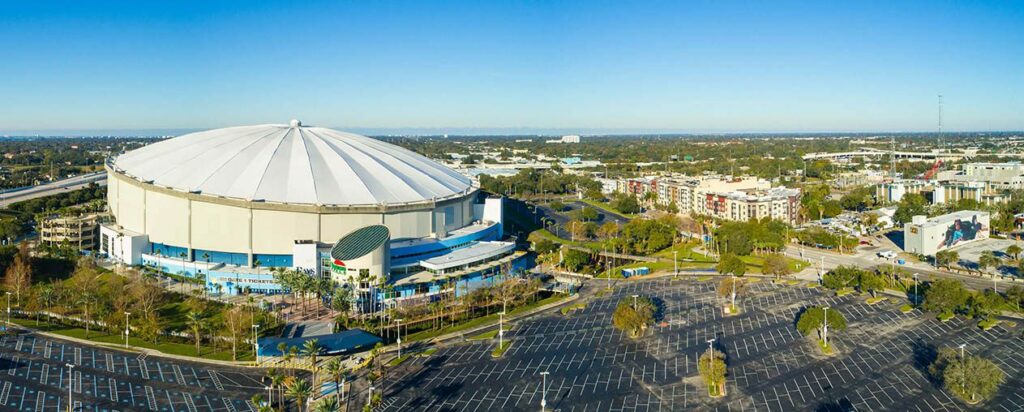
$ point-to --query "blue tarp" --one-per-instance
(347, 342)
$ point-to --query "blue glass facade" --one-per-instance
(412, 254)
(273, 261)
(227, 258)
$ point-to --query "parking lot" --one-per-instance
(34, 376)
(881, 360)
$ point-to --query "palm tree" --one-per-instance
(328, 405)
(987, 259)
(196, 324)
(336, 371)
(299, 390)
(311, 349)
(277, 380)
(47, 297)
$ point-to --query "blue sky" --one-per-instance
(495, 66)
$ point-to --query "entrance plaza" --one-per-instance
(880, 364)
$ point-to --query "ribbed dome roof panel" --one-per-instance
(284, 164)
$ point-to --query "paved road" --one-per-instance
(865, 259)
(53, 188)
(34, 376)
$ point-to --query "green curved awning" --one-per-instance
(359, 242)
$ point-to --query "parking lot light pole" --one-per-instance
(270, 395)
(916, 298)
(255, 342)
(543, 390)
(824, 336)
(126, 315)
(71, 382)
(963, 364)
(369, 396)
(8, 308)
(634, 301)
(501, 330)
(675, 262)
(711, 354)
(399, 321)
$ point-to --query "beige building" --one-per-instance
(78, 231)
(778, 203)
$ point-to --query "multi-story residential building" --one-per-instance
(995, 176)
(78, 231)
(777, 203)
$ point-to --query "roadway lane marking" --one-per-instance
(45, 373)
(189, 403)
(216, 380)
(151, 398)
(12, 370)
(178, 375)
(40, 401)
(113, 389)
(229, 405)
(4, 393)
(110, 363)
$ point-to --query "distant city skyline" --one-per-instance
(486, 68)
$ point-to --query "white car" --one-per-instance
(887, 254)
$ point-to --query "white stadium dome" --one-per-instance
(254, 192)
(292, 164)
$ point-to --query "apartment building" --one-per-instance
(777, 203)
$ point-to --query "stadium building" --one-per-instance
(234, 205)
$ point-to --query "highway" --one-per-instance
(52, 188)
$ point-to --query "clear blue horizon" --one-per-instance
(532, 66)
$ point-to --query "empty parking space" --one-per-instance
(592, 366)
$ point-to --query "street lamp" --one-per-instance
(255, 342)
(501, 330)
(126, 315)
(634, 301)
(369, 396)
(963, 367)
(543, 390)
(711, 355)
(675, 261)
(825, 334)
(71, 381)
(8, 308)
(916, 298)
(270, 395)
(399, 337)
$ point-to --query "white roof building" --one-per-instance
(292, 163)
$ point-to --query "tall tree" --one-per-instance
(18, 278)
(196, 324)
(236, 325)
(730, 264)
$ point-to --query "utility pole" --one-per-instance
(915, 289)
(963, 364)
(675, 261)
(501, 331)
(255, 342)
(399, 321)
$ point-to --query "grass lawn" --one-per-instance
(428, 352)
(844, 292)
(498, 352)
(988, 324)
(491, 334)
(906, 308)
(398, 361)
(945, 316)
(874, 300)
(685, 251)
(546, 234)
(607, 207)
(714, 391)
(483, 320)
(572, 308)
(813, 285)
(824, 349)
(754, 264)
(704, 278)
(173, 348)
